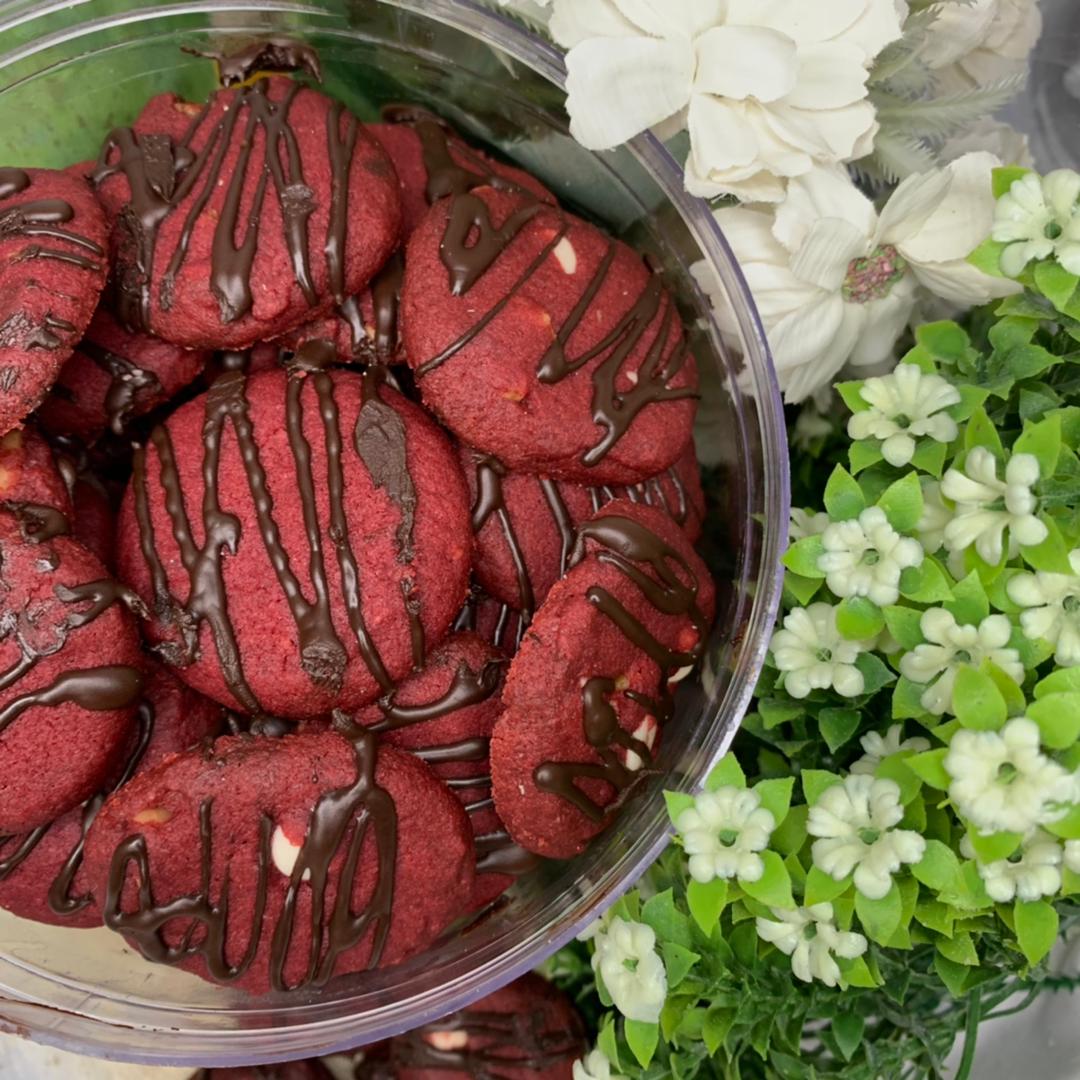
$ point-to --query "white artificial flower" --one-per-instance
(854, 823)
(767, 90)
(594, 1066)
(1002, 782)
(1029, 874)
(810, 425)
(979, 42)
(1005, 142)
(836, 282)
(633, 973)
(1038, 217)
(935, 517)
(1052, 603)
(804, 524)
(866, 556)
(1072, 856)
(878, 747)
(987, 506)
(950, 647)
(723, 832)
(905, 405)
(811, 653)
(810, 937)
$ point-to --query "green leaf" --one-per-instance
(815, 781)
(777, 711)
(894, 768)
(844, 498)
(1056, 283)
(935, 916)
(944, 340)
(1043, 442)
(905, 624)
(774, 885)
(969, 604)
(718, 1022)
(1004, 176)
(838, 726)
(851, 394)
(874, 672)
(608, 1041)
(971, 397)
(775, 796)
(953, 975)
(960, 949)
(856, 973)
(929, 457)
(666, 919)
(903, 502)
(925, 584)
(677, 802)
(799, 590)
(980, 431)
(802, 557)
(1058, 717)
(1036, 928)
(1067, 827)
(907, 700)
(929, 766)
(1015, 702)
(706, 902)
(977, 702)
(1052, 555)
(879, 918)
(1062, 681)
(822, 887)
(791, 834)
(847, 1029)
(987, 257)
(859, 619)
(864, 454)
(995, 846)
(642, 1039)
(728, 773)
(678, 961)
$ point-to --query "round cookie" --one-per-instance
(543, 342)
(493, 621)
(238, 244)
(525, 1031)
(29, 473)
(588, 693)
(114, 376)
(41, 872)
(323, 840)
(53, 267)
(525, 523)
(444, 715)
(309, 1069)
(71, 661)
(332, 545)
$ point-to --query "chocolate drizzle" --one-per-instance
(338, 826)
(467, 688)
(276, 54)
(131, 386)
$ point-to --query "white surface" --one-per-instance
(24, 1060)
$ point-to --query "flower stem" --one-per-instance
(971, 1032)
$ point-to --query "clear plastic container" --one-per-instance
(70, 71)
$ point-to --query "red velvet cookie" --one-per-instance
(525, 1031)
(114, 376)
(237, 220)
(335, 856)
(587, 693)
(540, 340)
(525, 523)
(28, 472)
(71, 658)
(332, 544)
(52, 269)
(492, 621)
(309, 1069)
(41, 872)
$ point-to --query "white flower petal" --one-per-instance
(822, 193)
(911, 205)
(574, 21)
(746, 61)
(830, 76)
(721, 136)
(825, 254)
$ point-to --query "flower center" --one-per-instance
(727, 837)
(824, 655)
(1071, 604)
(630, 963)
(1053, 230)
(872, 557)
(1007, 772)
(873, 276)
(1016, 858)
(810, 931)
(902, 420)
(962, 656)
(869, 836)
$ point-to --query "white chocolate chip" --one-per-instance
(645, 732)
(632, 378)
(566, 255)
(154, 816)
(622, 683)
(681, 674)
(284, 853)
(447, 1040)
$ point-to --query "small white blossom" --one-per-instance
(723, 832)
(594, 1066)
(1072, 856)
(1052, 603)
(949, 647)
(1002, 782)
(810, 426)
(878, 747)
(904, 406)
(987, 506)
(866, 556)
(1029, 874)
(1038, 217)
(809, 936)
(813, 656)
(854, 822)
(633, 972)
(935, 517)
(804, 524)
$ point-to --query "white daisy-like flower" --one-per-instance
(836, 282)
(950, 646)
(1029, 874)
(810, 937)
(986, 507)
(1038, 217)
(813, 655)
(1052, 603)
(904, 406)
(1001, 781)
(935, 517)
(804, 524)
(878, 747)
(594, 1066)
(627, 961)
(855, 825)
(766, 91)
(723, 832)
(866, 556)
